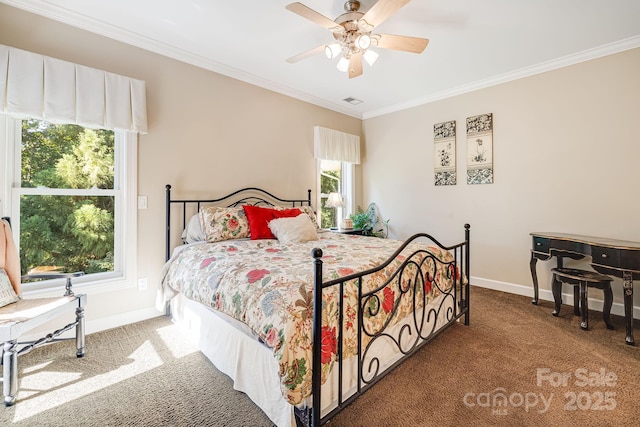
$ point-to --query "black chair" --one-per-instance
(582, 280)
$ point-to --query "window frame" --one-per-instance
(347, 190)
(125, 213)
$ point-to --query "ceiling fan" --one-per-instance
(353, 33)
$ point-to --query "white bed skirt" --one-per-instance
(231, 347)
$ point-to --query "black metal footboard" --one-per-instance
(420, 276)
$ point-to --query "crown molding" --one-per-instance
(57, 13)
(543, 67)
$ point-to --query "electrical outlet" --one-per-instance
(142, 283)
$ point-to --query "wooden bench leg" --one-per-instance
(10, 372)
(606, 309)
(584, 306)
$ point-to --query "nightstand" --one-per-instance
(357, 231)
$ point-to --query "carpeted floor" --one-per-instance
(514, 349)
(548, 371)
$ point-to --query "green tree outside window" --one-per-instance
(69, 232)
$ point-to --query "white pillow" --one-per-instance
(194, 232)
(293, 230)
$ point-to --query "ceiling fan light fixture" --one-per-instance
(332, 50)
(343, 65)
(370, 56)
(363, 41)
(353, 34)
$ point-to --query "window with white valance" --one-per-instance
(330, 144)
(37, 93)
(38, 86)
(336, 153)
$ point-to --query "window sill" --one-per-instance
(57, 288)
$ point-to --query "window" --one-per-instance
(335, 177)
(68, 191)
(336, 153)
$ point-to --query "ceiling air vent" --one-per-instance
(353, 101)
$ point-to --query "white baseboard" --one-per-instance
(122, 319)
(545, 294)
(101, 324)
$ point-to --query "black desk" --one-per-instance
(618, 258)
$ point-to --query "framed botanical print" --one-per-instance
(480, 149)
(444, 142)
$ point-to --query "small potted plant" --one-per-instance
(368, 222)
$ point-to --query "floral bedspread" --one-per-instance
(269, 287)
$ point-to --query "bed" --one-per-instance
(245, 278)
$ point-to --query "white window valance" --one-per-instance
(46, 88)
(330, 144)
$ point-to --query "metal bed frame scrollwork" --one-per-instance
(416, 268)
(247, 196)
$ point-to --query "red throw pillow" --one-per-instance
(260, 217)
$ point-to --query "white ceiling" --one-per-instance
(473, 43)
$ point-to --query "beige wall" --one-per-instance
(208, 134)
(566, 156)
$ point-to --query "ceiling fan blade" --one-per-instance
(313, 16)
(304, 55)
(355, 65)
(383, 9)
(404, 43)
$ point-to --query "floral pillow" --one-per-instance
(312, 215)
(221, 223)
(7, 294)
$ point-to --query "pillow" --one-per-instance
(220, 223)
(194, 232)
(312, 215)
(7, 294)
(259, 218)
(294, 230)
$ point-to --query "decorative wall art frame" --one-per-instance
(444, 142)
(480, 149)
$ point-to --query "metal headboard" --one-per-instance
(245, 196)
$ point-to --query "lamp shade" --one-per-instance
(343, 64)
(370, 56)
(364, 41)
(332, 50)
(334, 201)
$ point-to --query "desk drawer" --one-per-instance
(541, 244)
(605, 256)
